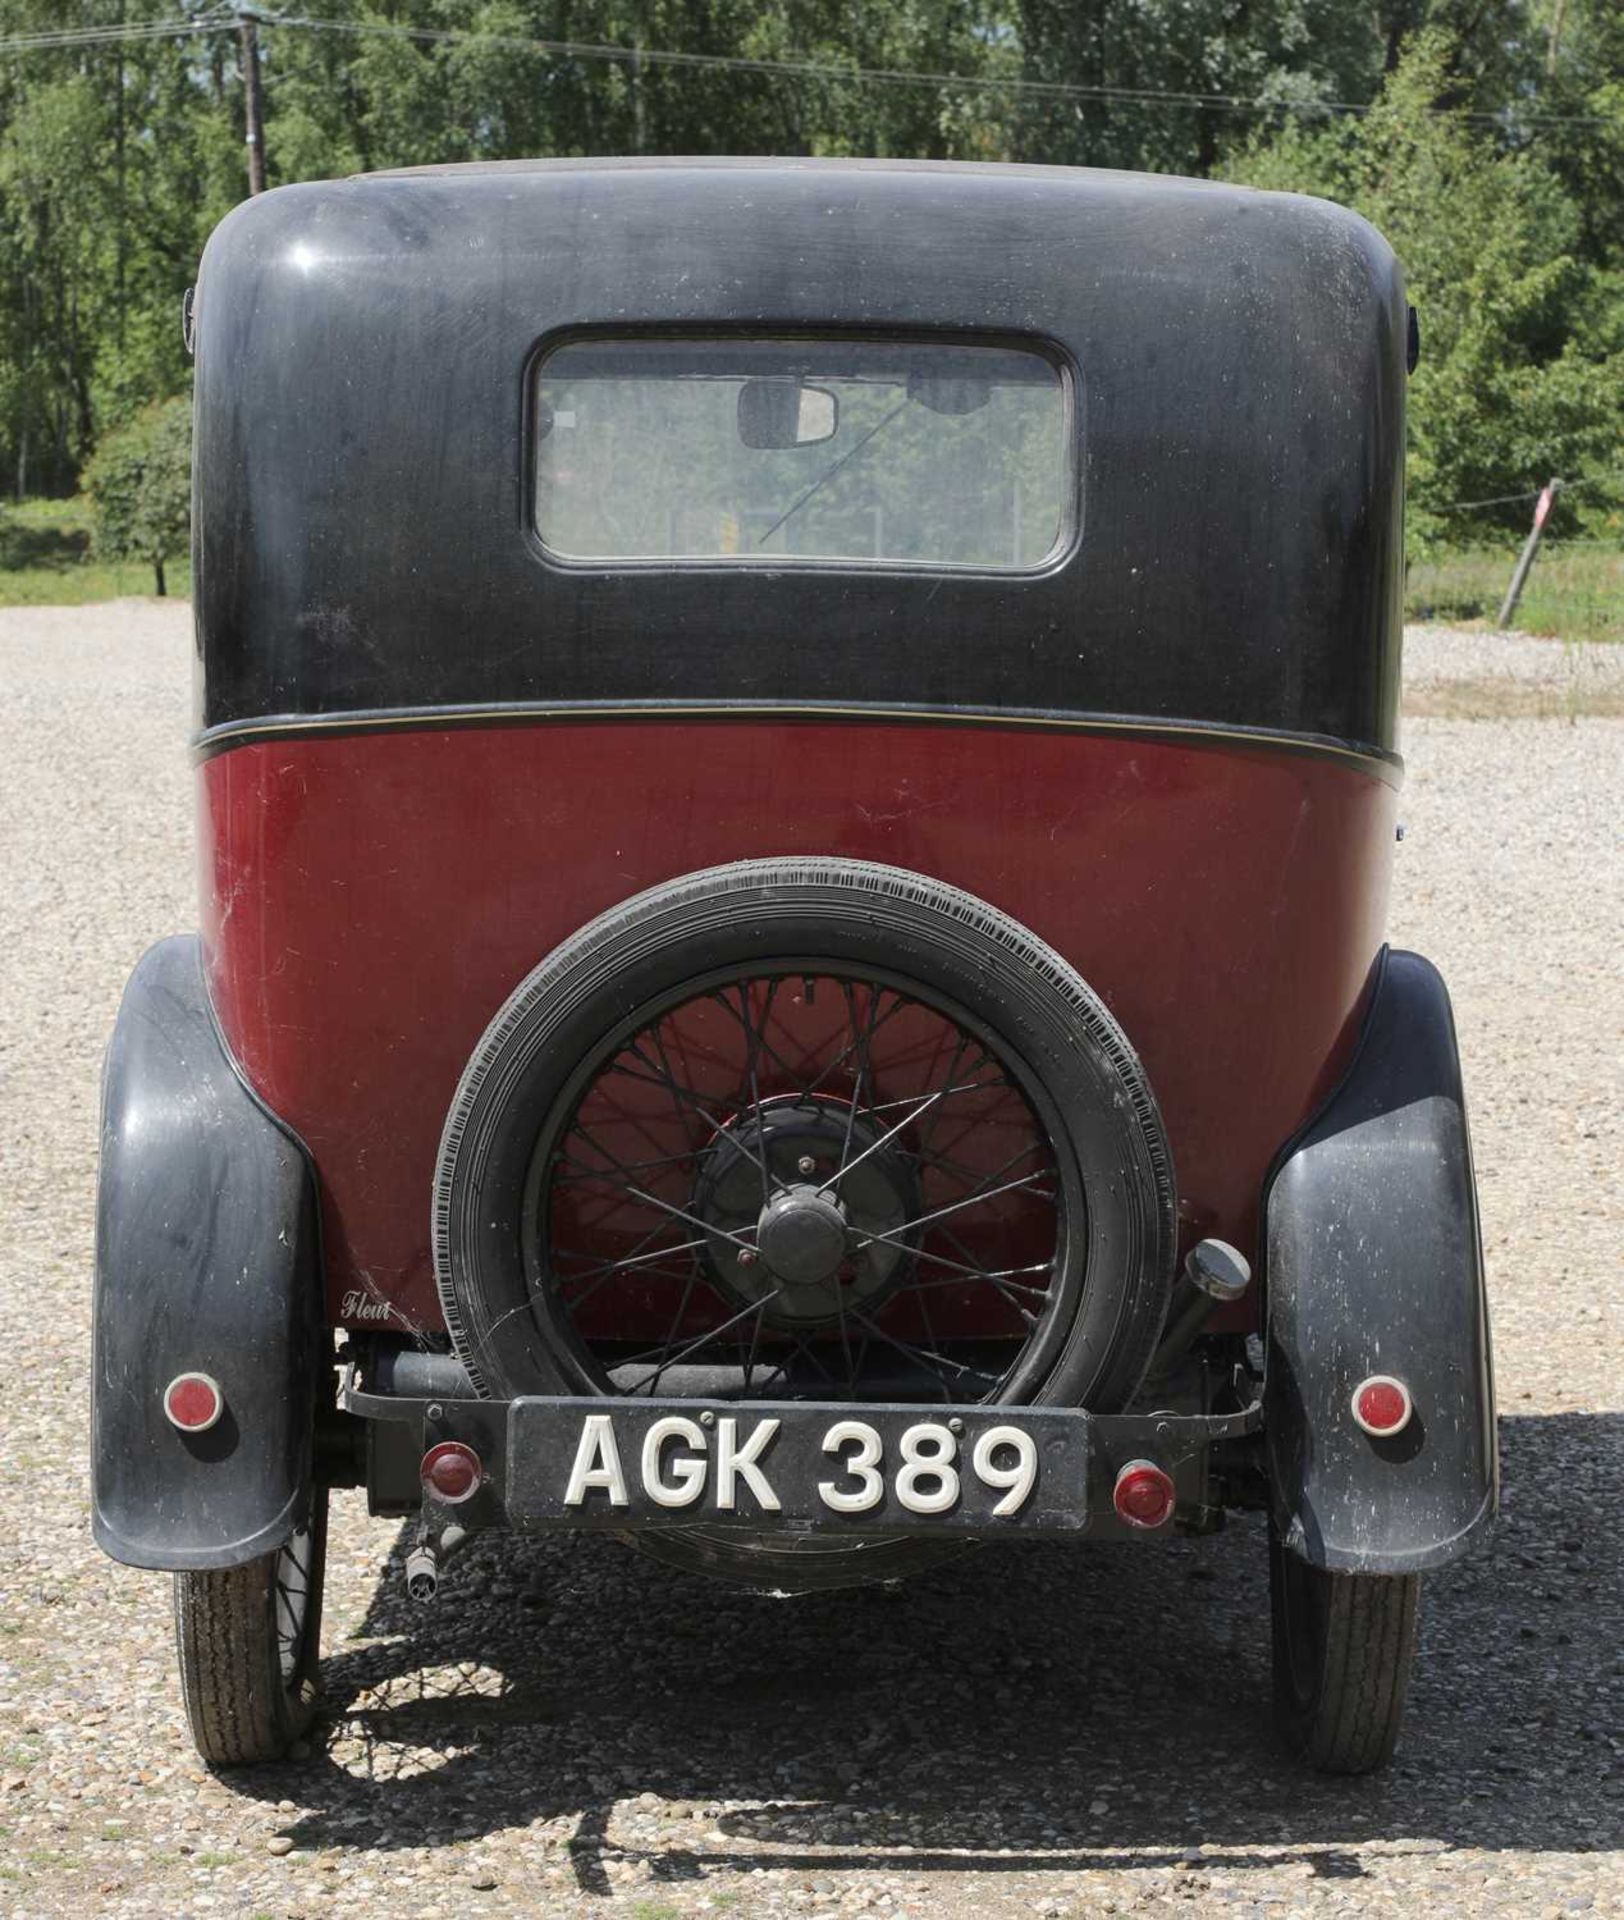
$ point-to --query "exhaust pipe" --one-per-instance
(422, 1574)
(425, 1561)
(1215, 1274)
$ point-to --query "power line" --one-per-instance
(740, 63)
(40, 42)
(213, 22)
(1494, 500)
(891, 76)
(803, 69)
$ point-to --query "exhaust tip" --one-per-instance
(1218, 1270)
(422, 1576)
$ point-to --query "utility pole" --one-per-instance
(120, 172)
(639, 105)
(248, 35)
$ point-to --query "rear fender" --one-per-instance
(1374, 1264)
(205, 1262)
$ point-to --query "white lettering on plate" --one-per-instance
(1019, 1478)
(735, 1463)
(676, 1465)
(927, 1481)
(597, 1463)
(870, 1488)
(687, 1481)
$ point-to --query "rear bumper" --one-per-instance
(533, 1449)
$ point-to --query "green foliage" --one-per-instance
(1583, 144)
(112, 172)
(46, 558)
(1494, 160)
(47, 561)
(1522, 373)
(140, 487)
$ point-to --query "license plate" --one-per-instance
(797, 1467)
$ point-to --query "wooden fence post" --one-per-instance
(1525, 559)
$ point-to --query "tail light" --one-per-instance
(452, 1472)
(193, 1402)
(1144, 1495)
(1382, 1405)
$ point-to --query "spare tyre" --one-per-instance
(805, 1129)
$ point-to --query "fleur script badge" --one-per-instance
(357, 1305)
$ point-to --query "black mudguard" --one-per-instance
(1375, 1265)
(205, 1262)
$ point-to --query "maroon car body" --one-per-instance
(1228, 901)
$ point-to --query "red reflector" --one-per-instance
(452, 1472)
(1143, 1495)
(1381, 1405)
(193, 1402)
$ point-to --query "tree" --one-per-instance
(140, 486)
(1139, 52)
(1583, 141)
(1521, 373)
(116, 159)
(1497, 162)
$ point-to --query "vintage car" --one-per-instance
(797, 793)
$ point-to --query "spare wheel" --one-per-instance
(805, 1129)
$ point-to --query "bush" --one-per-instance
(140, 487)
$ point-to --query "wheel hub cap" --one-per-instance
(802, 1236)
(813, 1247)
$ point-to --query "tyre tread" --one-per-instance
(216, 1625)
(1371, 1634)
(1363, 1654)
(239, 1709)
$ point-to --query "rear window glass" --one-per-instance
(928, 454)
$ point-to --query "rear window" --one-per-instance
(928, 454)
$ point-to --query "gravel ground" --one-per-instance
(1450, 673)
(572, 1730)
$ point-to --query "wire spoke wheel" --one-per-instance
(802, 1184)
(292, 1585)
(805, 1130)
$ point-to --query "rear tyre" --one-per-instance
(1344, 1647)
(249, 1642)
(727, 1055)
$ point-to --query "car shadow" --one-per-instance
(1039, 1708)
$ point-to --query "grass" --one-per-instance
(1575, 591)
(45, 559)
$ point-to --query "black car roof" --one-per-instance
(363, 354)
